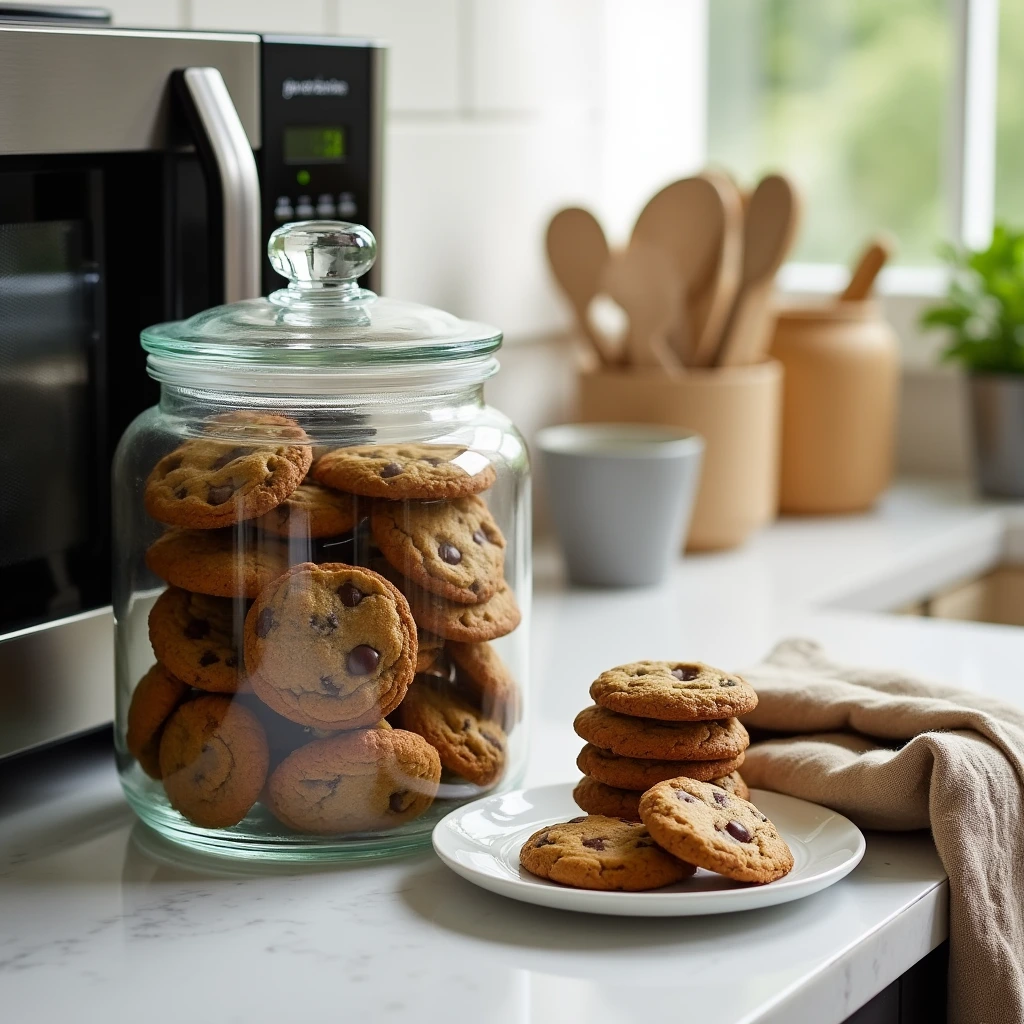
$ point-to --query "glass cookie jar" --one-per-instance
(322, 569)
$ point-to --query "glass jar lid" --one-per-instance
(323, 318)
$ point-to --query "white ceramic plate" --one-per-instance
(481, 842)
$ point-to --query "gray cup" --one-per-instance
(621, 496)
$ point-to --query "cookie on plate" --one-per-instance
(481, 673)
(452, 548)
(670, 741)
(642, 773)
(154, 700)
(733, 783)
(470, 745)
(464, 623)
(673, 691)
(355, 781)
(208, 482)
(194, 636)
(330, 646)
(715, 830)
(597, 798)
(209, 562)
(426, 472)
(214, 760)
(599, 852)
(312, 511)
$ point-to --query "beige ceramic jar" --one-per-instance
(839, 406)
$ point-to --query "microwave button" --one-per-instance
(347, 204)
(283, 209)
(325, 208)
(304, 208)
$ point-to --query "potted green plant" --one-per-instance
(984, 314)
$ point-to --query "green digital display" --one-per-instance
(314, 144)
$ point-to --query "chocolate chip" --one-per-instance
(432, 460)
(739, 832)
(362, 660)
(196, 629)
(686, 673)
(726, 682)
(480, 537)
(720, 797)
(328, 686)
(219, 494)
(230, 456)
(545, 840)
(400, 801)
(449, 553)
(324, 625)
(467, 723)
(687, 798)
(265, 622)
(390, 470)
(208, 658)
(180, 493)
(596, 843)
(576, 821)
(350, 595)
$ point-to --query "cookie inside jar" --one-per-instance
(323, 564)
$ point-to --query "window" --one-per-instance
(886, 113)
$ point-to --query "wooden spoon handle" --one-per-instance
(872, 260)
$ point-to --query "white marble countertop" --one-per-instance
(102, 921)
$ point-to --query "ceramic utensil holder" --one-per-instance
(839, 406)
(738, 413)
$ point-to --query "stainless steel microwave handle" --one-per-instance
(221, 140)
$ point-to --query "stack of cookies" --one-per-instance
(662, 790)
(331, 692)
(656, 720)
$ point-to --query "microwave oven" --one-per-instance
(141, 174)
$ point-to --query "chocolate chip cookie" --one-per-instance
(209, 482)
(597, 798)
(599, 852)
(469, 744)
(642, 773)
(194, 636)
(452, 548)
(330, 646)
(715, 830)
(357, 781)
(733, 783)
(480, 672)
(214, 759)
(211, 562)
(465, 623)
(312, 511)
(428, 649)
(418, 471)
(673, 691)
(670, 741)
(154, 699)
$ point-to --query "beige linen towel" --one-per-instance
(892, 752)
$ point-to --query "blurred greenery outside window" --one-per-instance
(858, 101)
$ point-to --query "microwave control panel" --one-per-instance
(320, 155)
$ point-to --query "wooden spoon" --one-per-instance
(710, 305)
(872, 259)
(645, 284)
(578, 252)
(769, 229)
(687, 221)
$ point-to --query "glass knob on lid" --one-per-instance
(325, 256)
